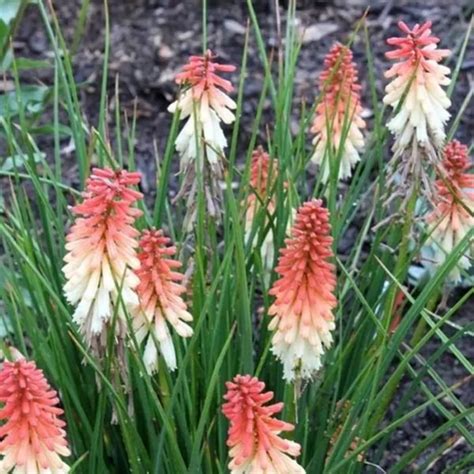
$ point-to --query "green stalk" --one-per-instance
(204, 26)
(421, 326)
(291, 404)
(401, 270)
(165, 390)
(401, 266)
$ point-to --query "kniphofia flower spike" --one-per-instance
(304, 294)
(420, 103)
(161, 304)
(338, 121)
(263, 176)
(253, 437)
(453, 216)
(32, 436)
(204, 103)
(416, 80)
(101, 256)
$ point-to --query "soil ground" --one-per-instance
(150, 40)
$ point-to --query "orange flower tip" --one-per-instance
(101, 256)
(205, 104)
(417, 80)
(32, 434)
(338, 119)
(304, 294)
(254, 434)
(161, 305)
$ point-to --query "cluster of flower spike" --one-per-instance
(337, 122)
(204, 104)
(106, 276)
(254, 441)
(453, 216)
(33, 436)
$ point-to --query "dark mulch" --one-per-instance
(152, 39)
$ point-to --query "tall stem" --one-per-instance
(290, 398)
(401, 270)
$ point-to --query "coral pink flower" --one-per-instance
(33, 436)
(263, 175)
(160, 301)
(453, 217)
(417, 80)
(204, 104)
(101, 254)
(254, 441)
(338, 115)
(304, 301)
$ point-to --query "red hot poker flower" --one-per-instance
(33, 436)
(204, 104)
(338, 113)
(423, 113)
(161, 304)
(101, 253)
(201, 73)
(455, 164)
(452, 217)
(304, 294)
(254, 441)
(263, 175)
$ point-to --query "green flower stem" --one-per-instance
(165, 390)
(401, 270)
(421, 326)
(290, 398)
